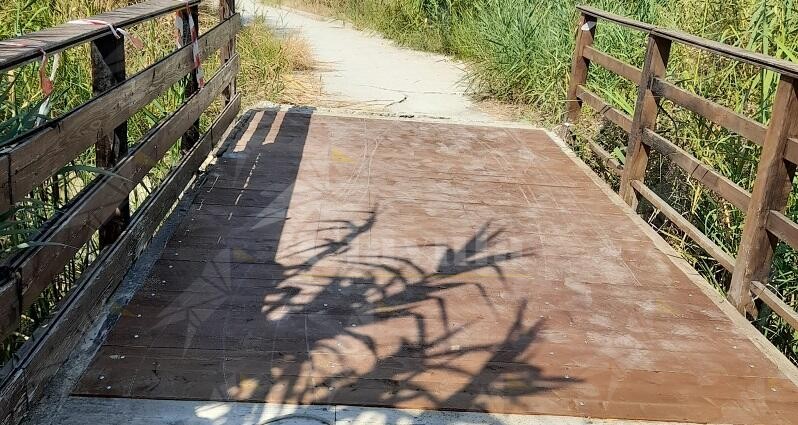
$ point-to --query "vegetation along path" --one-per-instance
(402, 82)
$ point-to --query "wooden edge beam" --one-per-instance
(725, 260)
(613, 65)
(721, 115)
(611, 163)
(695, 169)
(40, 153)
(779, 66)
(38, 265)
(616, 19)
(58, 38)
(782, 227)
(614, 115)
(791, 153)
(781, 308)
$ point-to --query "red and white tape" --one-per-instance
(115, 31)
(44, 81)
(192, 28)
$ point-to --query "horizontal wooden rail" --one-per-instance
(56, 39)
(695, 169)
(614, 115)
(774, 302)
(721, 256)
(779, 66)
(607, 159)
(36, 267)
(616, 66)
(34, 157)
(784, 228)
(718, 114)
(616, 19)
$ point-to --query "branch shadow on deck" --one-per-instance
(317, 298)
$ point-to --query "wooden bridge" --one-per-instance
(340, 260)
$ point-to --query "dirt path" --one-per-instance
(361, 71)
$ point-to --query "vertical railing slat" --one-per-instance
(108, 70)
(771, 191)
(645, 116)
(585, 32)
(191, 136)
(227, 8)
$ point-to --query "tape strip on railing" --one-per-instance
(44, 81)
(115, 31)
(195, 50)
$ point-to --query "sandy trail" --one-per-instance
(361, 71)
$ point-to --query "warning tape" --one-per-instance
(115, 31)
(195, 50)
(44, 81)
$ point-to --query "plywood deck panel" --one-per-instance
(370, 262)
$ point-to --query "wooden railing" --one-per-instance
(765, 223)
(32, 158)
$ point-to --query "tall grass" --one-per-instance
(520, 52)
(264, 66)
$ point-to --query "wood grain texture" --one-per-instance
(645, 117)
(331, 259)
(56, 39)
(725, 117)
(775, 303)
(38, 155)
(605, 109)
(617, 19)
(585, 31)
(695, 169)
(37, 266)
(612, 64)
(772, 188)
(784, 228)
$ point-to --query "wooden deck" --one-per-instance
(342, 260)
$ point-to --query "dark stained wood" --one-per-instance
(774, 302)
(791, 153)
(38, 265)
(56, 39)
(5, 181)
(53, 346)
(38, 155)
(227, 8)
(616, 66)
(784, 228)
(721, 256)
(585, 31)
(772, 188)
(617, 19)
(325, 260)
(718, 114)
(645, 117)
(694, 168)
(108, 70)
(191, 82)
(606, 110)
(779, 66)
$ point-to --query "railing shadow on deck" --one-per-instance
(390, 285)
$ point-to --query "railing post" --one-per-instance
(771, 191)
(227, 8)
(108, 70)
(585, 32)
(192, 135)
(645, 116)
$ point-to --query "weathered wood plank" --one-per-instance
(779, 66)
(227, 8)
(721, 256)
(56, 39)
(695, 169)
(41, 153)
(607, 160)
(192, 79)
(5, 182)
(606, 110)
(771, 191)
(108, 70)
(613, 65)
(37, 266)
(784, 228)
(645, 117)
(585, 31)
(791, 153)
(69, 325)
(718, 114)
(617, 19)
(774, 302)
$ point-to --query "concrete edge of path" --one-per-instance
(82, 410)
